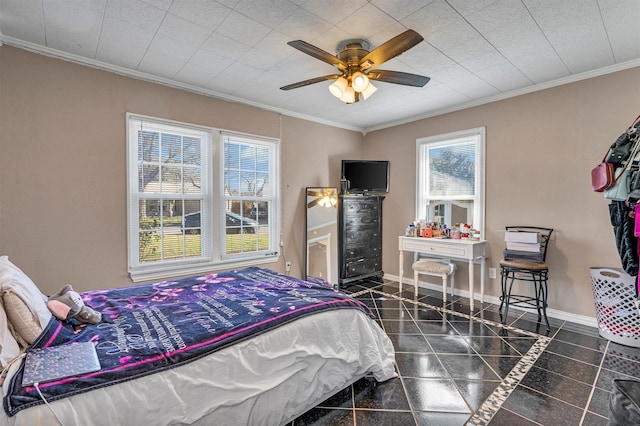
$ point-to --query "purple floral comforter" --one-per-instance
(153, 327)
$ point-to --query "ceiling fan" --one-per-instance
(325, 197)
(356, 65)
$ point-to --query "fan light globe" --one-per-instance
(359, 81)
(328, 201)
(349, 95)
(370, 90)
(339, 87)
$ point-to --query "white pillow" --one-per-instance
(13, 280)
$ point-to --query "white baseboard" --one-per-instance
(552, 313)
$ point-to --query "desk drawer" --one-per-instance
(440, 249)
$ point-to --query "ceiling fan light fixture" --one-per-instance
(359, 81)
(328, 201)
(349, 95)
(357, 65)
(339, 87)
(370, 90)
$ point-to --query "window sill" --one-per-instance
(167, 272)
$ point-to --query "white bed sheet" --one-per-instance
(267, 380)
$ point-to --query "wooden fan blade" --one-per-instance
(310, 81)
(313, 203)
(398, 77)
(390, 49)
(318, 53)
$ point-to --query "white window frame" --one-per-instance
(212, 222)
(477, 135)
(272, 199)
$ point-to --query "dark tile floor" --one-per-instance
(461, 369)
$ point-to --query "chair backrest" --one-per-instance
(545, 234)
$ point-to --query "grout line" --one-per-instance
(493, 402)
(404, 388)
(459, 314)
(593, 386)
(353, 404)
(524, 419)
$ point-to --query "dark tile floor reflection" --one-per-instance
(456, 368)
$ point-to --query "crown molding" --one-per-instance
(513, 93)
(127, 72)
(46, 51)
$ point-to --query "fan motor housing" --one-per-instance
(352, 51)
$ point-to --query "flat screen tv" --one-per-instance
(364, 176)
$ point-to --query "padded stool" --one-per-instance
(438, 268)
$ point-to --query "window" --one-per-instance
(248, 193)
(450, 171)
(198, 198)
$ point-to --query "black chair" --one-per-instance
(527, 266)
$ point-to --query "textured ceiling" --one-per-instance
(474, 51)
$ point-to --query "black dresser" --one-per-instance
(359, 237)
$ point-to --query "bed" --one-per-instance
(236, 348)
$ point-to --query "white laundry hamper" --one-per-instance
(614, 294)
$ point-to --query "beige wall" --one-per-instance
(311, 156)
(63, 184)
(63, 165)
(541, 148)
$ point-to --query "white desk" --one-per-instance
(469, 250)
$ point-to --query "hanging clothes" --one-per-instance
(623, 222)
(624, 209)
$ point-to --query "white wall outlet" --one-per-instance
(287, 266)
(492, 273)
